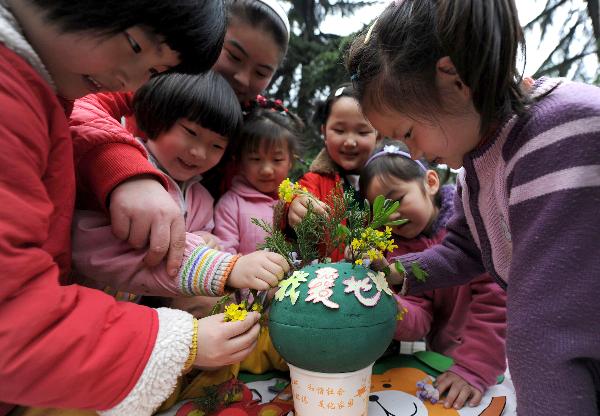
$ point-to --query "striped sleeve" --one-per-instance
(554, 197)
(453, 262)
(205, 272)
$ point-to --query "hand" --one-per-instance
(459, 391)
(299, 208)
(142, 212)
(223, 343)
(260, 270)
(211, 240)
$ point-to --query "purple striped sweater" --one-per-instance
(528, 212)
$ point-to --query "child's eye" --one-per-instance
(365, 133)
(188, 130)
(134, 45)
(261, 75)
(233, 57)
(408, 133)
(219, 146)
(338, 131)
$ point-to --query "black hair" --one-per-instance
(323, 108)
(397, 56)
(257, 14)
(270, 127)
(394, 166)
(207, 100)
(193, 28)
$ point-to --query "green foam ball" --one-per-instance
(318, 338)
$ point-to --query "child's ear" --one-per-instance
(447, 78)
(432, 182)
(323, 131)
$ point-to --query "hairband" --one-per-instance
(391, 149)
(267, 104)
(276, 7)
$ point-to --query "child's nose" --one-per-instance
(198, 152)
(243, 78)
(266, 169)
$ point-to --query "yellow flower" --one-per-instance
(257, 307)
(400, 315)
(356, 243)
(287, 190)
(234, 313)
(358, 261)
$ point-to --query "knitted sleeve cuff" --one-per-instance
(165, 365)
(205, 272)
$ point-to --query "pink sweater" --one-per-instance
(102, 260)
(233, 215)
(467, 323)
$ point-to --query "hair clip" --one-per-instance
(339, 92)
(370, 31)
(391, 149)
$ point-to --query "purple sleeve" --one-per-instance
(454, 262)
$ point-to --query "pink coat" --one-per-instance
(233, 215)
(467, 323)
(102, 260)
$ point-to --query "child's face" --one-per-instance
(82, 63)
(447, 141)
(187, 149)
(416, 201)
(268, 167)
(349, 137)
(248, 59)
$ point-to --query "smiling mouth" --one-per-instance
(187, 165)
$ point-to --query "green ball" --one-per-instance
(318, 338)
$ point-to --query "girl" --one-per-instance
(349, 141)
(269, 141)
(467, 323)
(64, 345)
(113, 172)
(527, 213)
(188, 120)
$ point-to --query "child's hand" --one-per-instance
(223, 343)
(142, 212)
(260, 270)
(299, 208)
(211, 240)
(458, 390)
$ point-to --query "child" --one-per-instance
(113, 172)
(188, 120)
(467, 323)
(349, 141)
(269, 140)
(66, 345)
(527, 212)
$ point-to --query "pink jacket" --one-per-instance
(101, 259)
(233, 215)
(467, 323)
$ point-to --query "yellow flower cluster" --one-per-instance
(373, 243)
(289, 189)
(235, 312)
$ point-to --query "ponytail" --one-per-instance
(483, 38)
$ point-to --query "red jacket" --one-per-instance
(106, 153)
(61, 346)
(321, 180)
